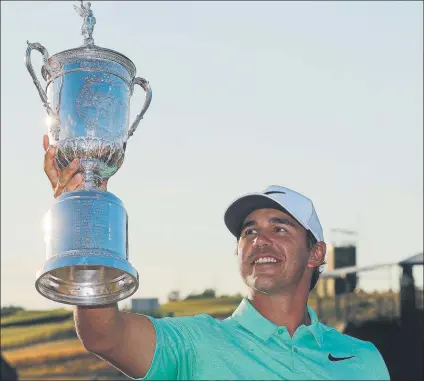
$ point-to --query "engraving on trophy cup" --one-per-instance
(87, 99)
(96, 100)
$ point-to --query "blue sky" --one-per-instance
(322, 97)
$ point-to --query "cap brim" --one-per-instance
(242, 207)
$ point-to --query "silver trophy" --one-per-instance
(87, 99)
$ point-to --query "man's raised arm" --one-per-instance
(125, 340)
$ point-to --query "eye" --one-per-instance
(249, 232)
(279, 229)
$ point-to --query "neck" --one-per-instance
(284, 309)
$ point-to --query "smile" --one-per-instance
(265, 260)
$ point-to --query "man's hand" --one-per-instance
(66, 180)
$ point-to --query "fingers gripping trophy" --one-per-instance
(87, 99)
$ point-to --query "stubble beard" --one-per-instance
(265, 284)
(274, 284)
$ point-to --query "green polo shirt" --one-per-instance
(247, 346)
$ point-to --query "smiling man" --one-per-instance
(272, 335)
(281, 249)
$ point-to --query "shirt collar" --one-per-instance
(249, 318)
(315, 327)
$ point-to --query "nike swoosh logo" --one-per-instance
(332, 358)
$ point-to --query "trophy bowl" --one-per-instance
(87, 99)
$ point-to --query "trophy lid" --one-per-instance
(89, 50)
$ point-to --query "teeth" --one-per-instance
(266, 260)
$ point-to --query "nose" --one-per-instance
(261, 240)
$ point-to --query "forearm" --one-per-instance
(98, 328)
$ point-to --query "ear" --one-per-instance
(317, 254)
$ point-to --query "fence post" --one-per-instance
(338, 312)
(346, 300)
(319, 308)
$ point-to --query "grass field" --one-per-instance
(13, 337)
(59, 357)
(23, 316)
(46, 352)
(217, 306)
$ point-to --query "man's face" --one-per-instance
(278, 241)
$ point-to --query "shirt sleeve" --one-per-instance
(174, 353)
(378, 365)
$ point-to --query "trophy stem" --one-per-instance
(91, 177)
(91, 180)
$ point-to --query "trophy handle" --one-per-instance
(28, 65)
(145, 85)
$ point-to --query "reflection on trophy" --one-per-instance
(87, 98)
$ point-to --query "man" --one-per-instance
(273, 334)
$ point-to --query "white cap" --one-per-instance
(298, 206)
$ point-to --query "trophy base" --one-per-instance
(88, 279)
(86, 235)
